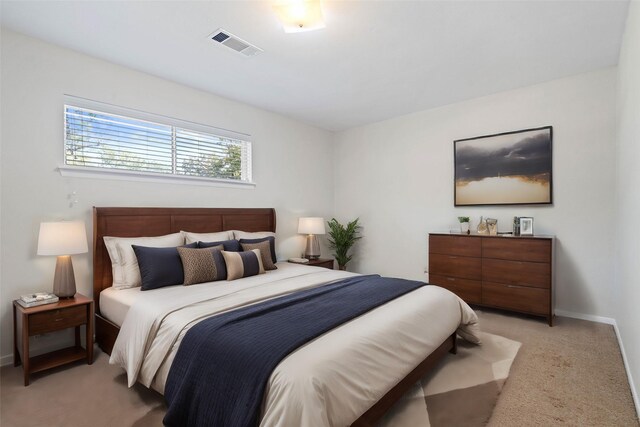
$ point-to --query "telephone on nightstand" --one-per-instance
(299, 260)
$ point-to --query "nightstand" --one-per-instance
(66, 313)
(321, 262)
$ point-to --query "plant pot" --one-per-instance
(464, 227)
(342, 267)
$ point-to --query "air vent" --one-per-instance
(227, 39)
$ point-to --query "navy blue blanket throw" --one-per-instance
(222, 367)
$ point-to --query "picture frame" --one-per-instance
(509, 168)
(526, 226)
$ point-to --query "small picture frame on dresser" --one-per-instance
(526, 226)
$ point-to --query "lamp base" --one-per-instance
(312, 251)
(64, 280)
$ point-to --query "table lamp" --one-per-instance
(311, 226)
(64, 238)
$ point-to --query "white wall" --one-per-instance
(628, 203)
(397, 176)
(293, 163)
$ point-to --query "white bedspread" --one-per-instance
(333, 379)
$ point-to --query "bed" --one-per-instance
(357, 371)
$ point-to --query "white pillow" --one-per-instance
(206, 237)
(116, 268)
(126, 272)
(247, 235)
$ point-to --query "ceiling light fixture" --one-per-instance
(300, 15)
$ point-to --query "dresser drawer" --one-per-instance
(536, 250)
(455, 266)
(519, 298)
(53, 320)
(455, 245)
(519, 273)
(468, 290)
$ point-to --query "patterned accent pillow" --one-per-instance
(243, 264)
(265, 253)
(202, 265)
(272, 244)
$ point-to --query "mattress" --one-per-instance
(115, 303)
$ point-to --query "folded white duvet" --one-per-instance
(333, 379)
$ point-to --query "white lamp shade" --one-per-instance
(311, 225)
(300, 15)
(62, 238)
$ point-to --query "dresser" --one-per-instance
(506, 272)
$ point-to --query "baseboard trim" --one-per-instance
(590, 317)
(7, 359)
(610, 321)
(634, 394)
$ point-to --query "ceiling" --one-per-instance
(374, 60)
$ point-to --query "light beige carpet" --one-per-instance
(462, 391)
(571, 374)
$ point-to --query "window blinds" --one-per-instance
(103, 140)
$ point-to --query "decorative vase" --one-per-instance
(492, 226)
(482, 227)
(342, 267)
(464, 227)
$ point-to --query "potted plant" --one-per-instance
(341, 239)
(464, 224)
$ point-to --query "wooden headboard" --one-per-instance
(137, 222)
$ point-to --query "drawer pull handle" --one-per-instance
(453, 257)
(517, 286)
(57, 320)
(451, 279)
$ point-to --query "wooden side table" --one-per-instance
(320, 262)
(67, 313)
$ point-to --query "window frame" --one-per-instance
(68, 170)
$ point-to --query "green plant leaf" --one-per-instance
(342, 238)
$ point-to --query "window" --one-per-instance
(150, 145)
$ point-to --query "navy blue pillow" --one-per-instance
(160, 267)
(272, 245)
(229, 245)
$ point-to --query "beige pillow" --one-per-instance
(125, 270)
(206, 237)
(243, 264)
(237, 234)
(265, 253)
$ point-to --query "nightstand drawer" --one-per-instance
(53, 320)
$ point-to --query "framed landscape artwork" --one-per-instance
(511, 168)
